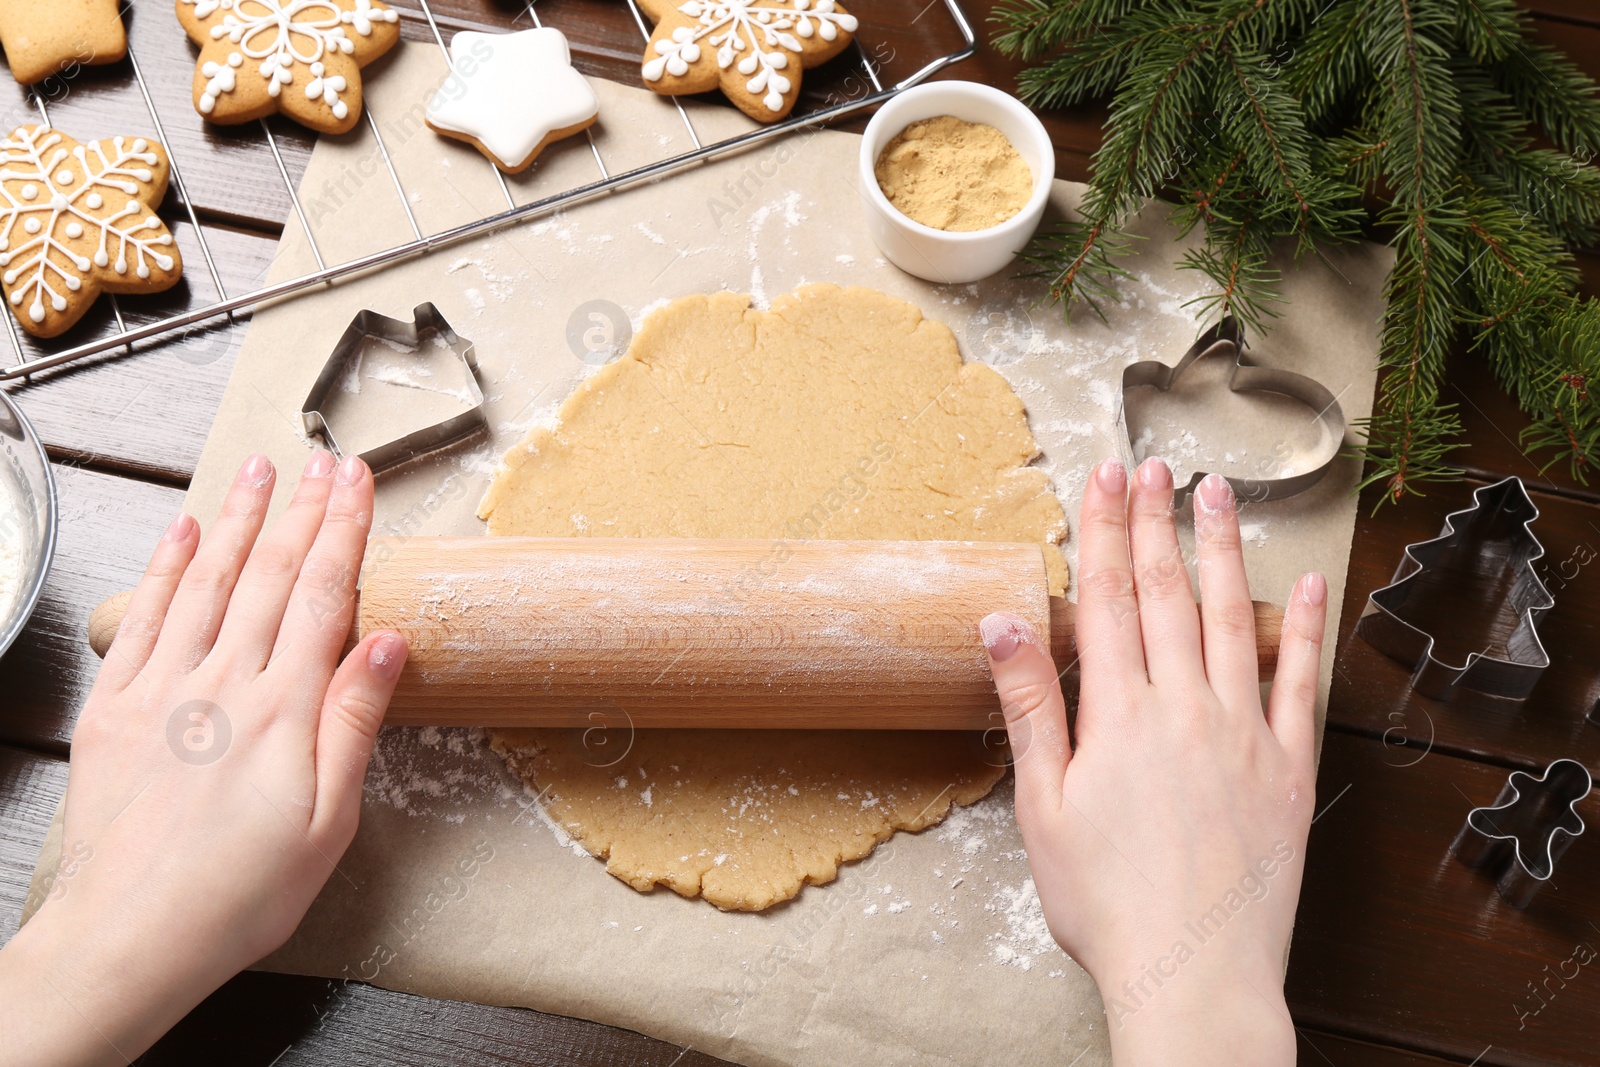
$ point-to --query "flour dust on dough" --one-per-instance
(836, 414)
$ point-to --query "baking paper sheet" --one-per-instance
(934, 949)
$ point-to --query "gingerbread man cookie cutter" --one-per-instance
(1226, 340)
(1496, 528)
(369, 326)
(1527, 829)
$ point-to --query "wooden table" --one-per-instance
(1401, 955)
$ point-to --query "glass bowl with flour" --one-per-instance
(28, 516)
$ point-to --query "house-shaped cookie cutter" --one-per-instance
(1226, 339)
(1522, 834)
(368, 326)
(1494, 529)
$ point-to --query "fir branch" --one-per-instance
(1237, 264)
(1557, 96)
(1272, 119)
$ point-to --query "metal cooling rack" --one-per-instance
(225, 307)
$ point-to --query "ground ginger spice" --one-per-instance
(954, 175)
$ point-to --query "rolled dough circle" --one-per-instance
(836, 414)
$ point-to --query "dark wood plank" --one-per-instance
(108, 527)
(1372, 694)
(30, 786)
(1580, 12)
(1318, 1049)
(150, 413)
(1398, 942)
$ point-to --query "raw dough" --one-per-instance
(839, 413)
(746, 817)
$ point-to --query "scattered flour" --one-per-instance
(644, 312)
(1026, 936)
(432, 772)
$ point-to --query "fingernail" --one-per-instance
(180, 528)
(350, 470)
(1314, 589)
(256, 472)
(1155, 474)
(320, 463)
(1112, 476)
(1214, 495)
(1003, 634)
(386, 656)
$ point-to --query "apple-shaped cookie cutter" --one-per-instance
(1496, 529)
(1528, 827)
(1225, 340)
(370, 326)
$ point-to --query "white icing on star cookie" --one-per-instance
(512, 92)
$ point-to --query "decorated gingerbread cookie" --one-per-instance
(299, 57)
(44, 37)
(511, 94)
(78, 220)
(753, 50)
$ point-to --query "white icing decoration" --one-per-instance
(328, 88)
(675, 55)
(769, 29)
(509, 102)
(33, 155)
(279, 34)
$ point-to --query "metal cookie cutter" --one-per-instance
(369, 325)
(1524, 832)
(1494, 530)
(1225, 339)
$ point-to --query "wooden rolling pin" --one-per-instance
(574, 631)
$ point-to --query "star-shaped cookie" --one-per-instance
(43, 37)
(510, 94)
(77, 220)
(753, 50)
(299, 57)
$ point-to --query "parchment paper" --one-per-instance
(934, 949)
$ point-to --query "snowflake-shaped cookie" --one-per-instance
(76, 220)
(300, 57)
(753, 50)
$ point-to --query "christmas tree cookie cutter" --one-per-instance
(1496, 528)
(1527, 829)
(1225, 339)
(369, 326)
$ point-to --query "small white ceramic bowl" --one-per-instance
(940, 255)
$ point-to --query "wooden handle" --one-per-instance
(700, 633)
